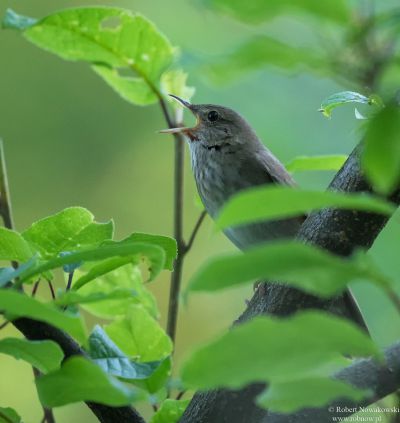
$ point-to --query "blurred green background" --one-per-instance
(70, 140)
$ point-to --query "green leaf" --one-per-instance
(44, 355)
(7, 274)
(170, 411)
(257, 11)
(321, 340)
(133, 89)
(166, 243)
(381, 158)
(81, 380)
(8, 415)
(20, 305)
(159, 379)
(139, 335)
(344, 97)
(113, 38)
(262, 51)
(302, 163)
(72, 228)
(291, 396)
(277, 202)
(113, 361)
(12, 20)
(306, 267)
(13, 246)
(125, 278)
(174, 82)
(135, 250)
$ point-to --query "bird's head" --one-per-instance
(215, 125)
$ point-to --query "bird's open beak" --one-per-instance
(183, 129)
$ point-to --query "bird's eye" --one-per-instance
(213, 116)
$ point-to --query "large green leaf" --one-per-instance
(139, 335)
(344, 97)
(44, 355)
(159, 379)
(257, 11)
(291, 396)
(17, 304)
(262, 350)
(113, 361)
(263, 203)
(304, 266)
(262, 51)
(170, 411)
(13, 246)
(8, 415)
(136, 250)
(302, 163)
(127, 277)
(72, 228)
(81, 380)
(381, 159)
(108, 36)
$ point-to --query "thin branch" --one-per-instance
(195, 231)
(52, 293)
(48, 415)
(69, 282)
(5, 201)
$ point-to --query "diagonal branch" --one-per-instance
(339, 231)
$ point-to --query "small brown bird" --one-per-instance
(227, 157)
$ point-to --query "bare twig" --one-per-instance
(195, 231)
(5, 201)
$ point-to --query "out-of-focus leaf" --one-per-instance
(345, 97)
(12, 20)
(72, 297)
(264, 203)
(289, 397)
(44, 355)
(111, 39)
(128, 278)
(304, 266)
(19, 305)
(139, 335)
(13, 246)
(170, 411)
(302, 163)
(262, 51)
(381, 158)
(8, 415)
(9, 273)
(113, 361)
(81, 380)
(174, 82)
(154, 254)
(257, 11)
(320, 341)
(72, 228)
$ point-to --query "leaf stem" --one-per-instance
(5, 201)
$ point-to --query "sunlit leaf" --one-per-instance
(154, 254)
(19, 305)
(44, 355)
(8, 415)
(174, 82)
(139, 335)
(344, 97)
(170, 411)
(238, 357)
(125, 278)
(304, 266)
(381, 158)
(263, 51)
(257, 11)
(264, 203)
(112, 40)
(72, 228)
(288, 397)
(113, 361)
(305, 163)
(13, 246)
(81, 380)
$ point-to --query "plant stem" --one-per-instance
(195, 231)
(5, 202)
